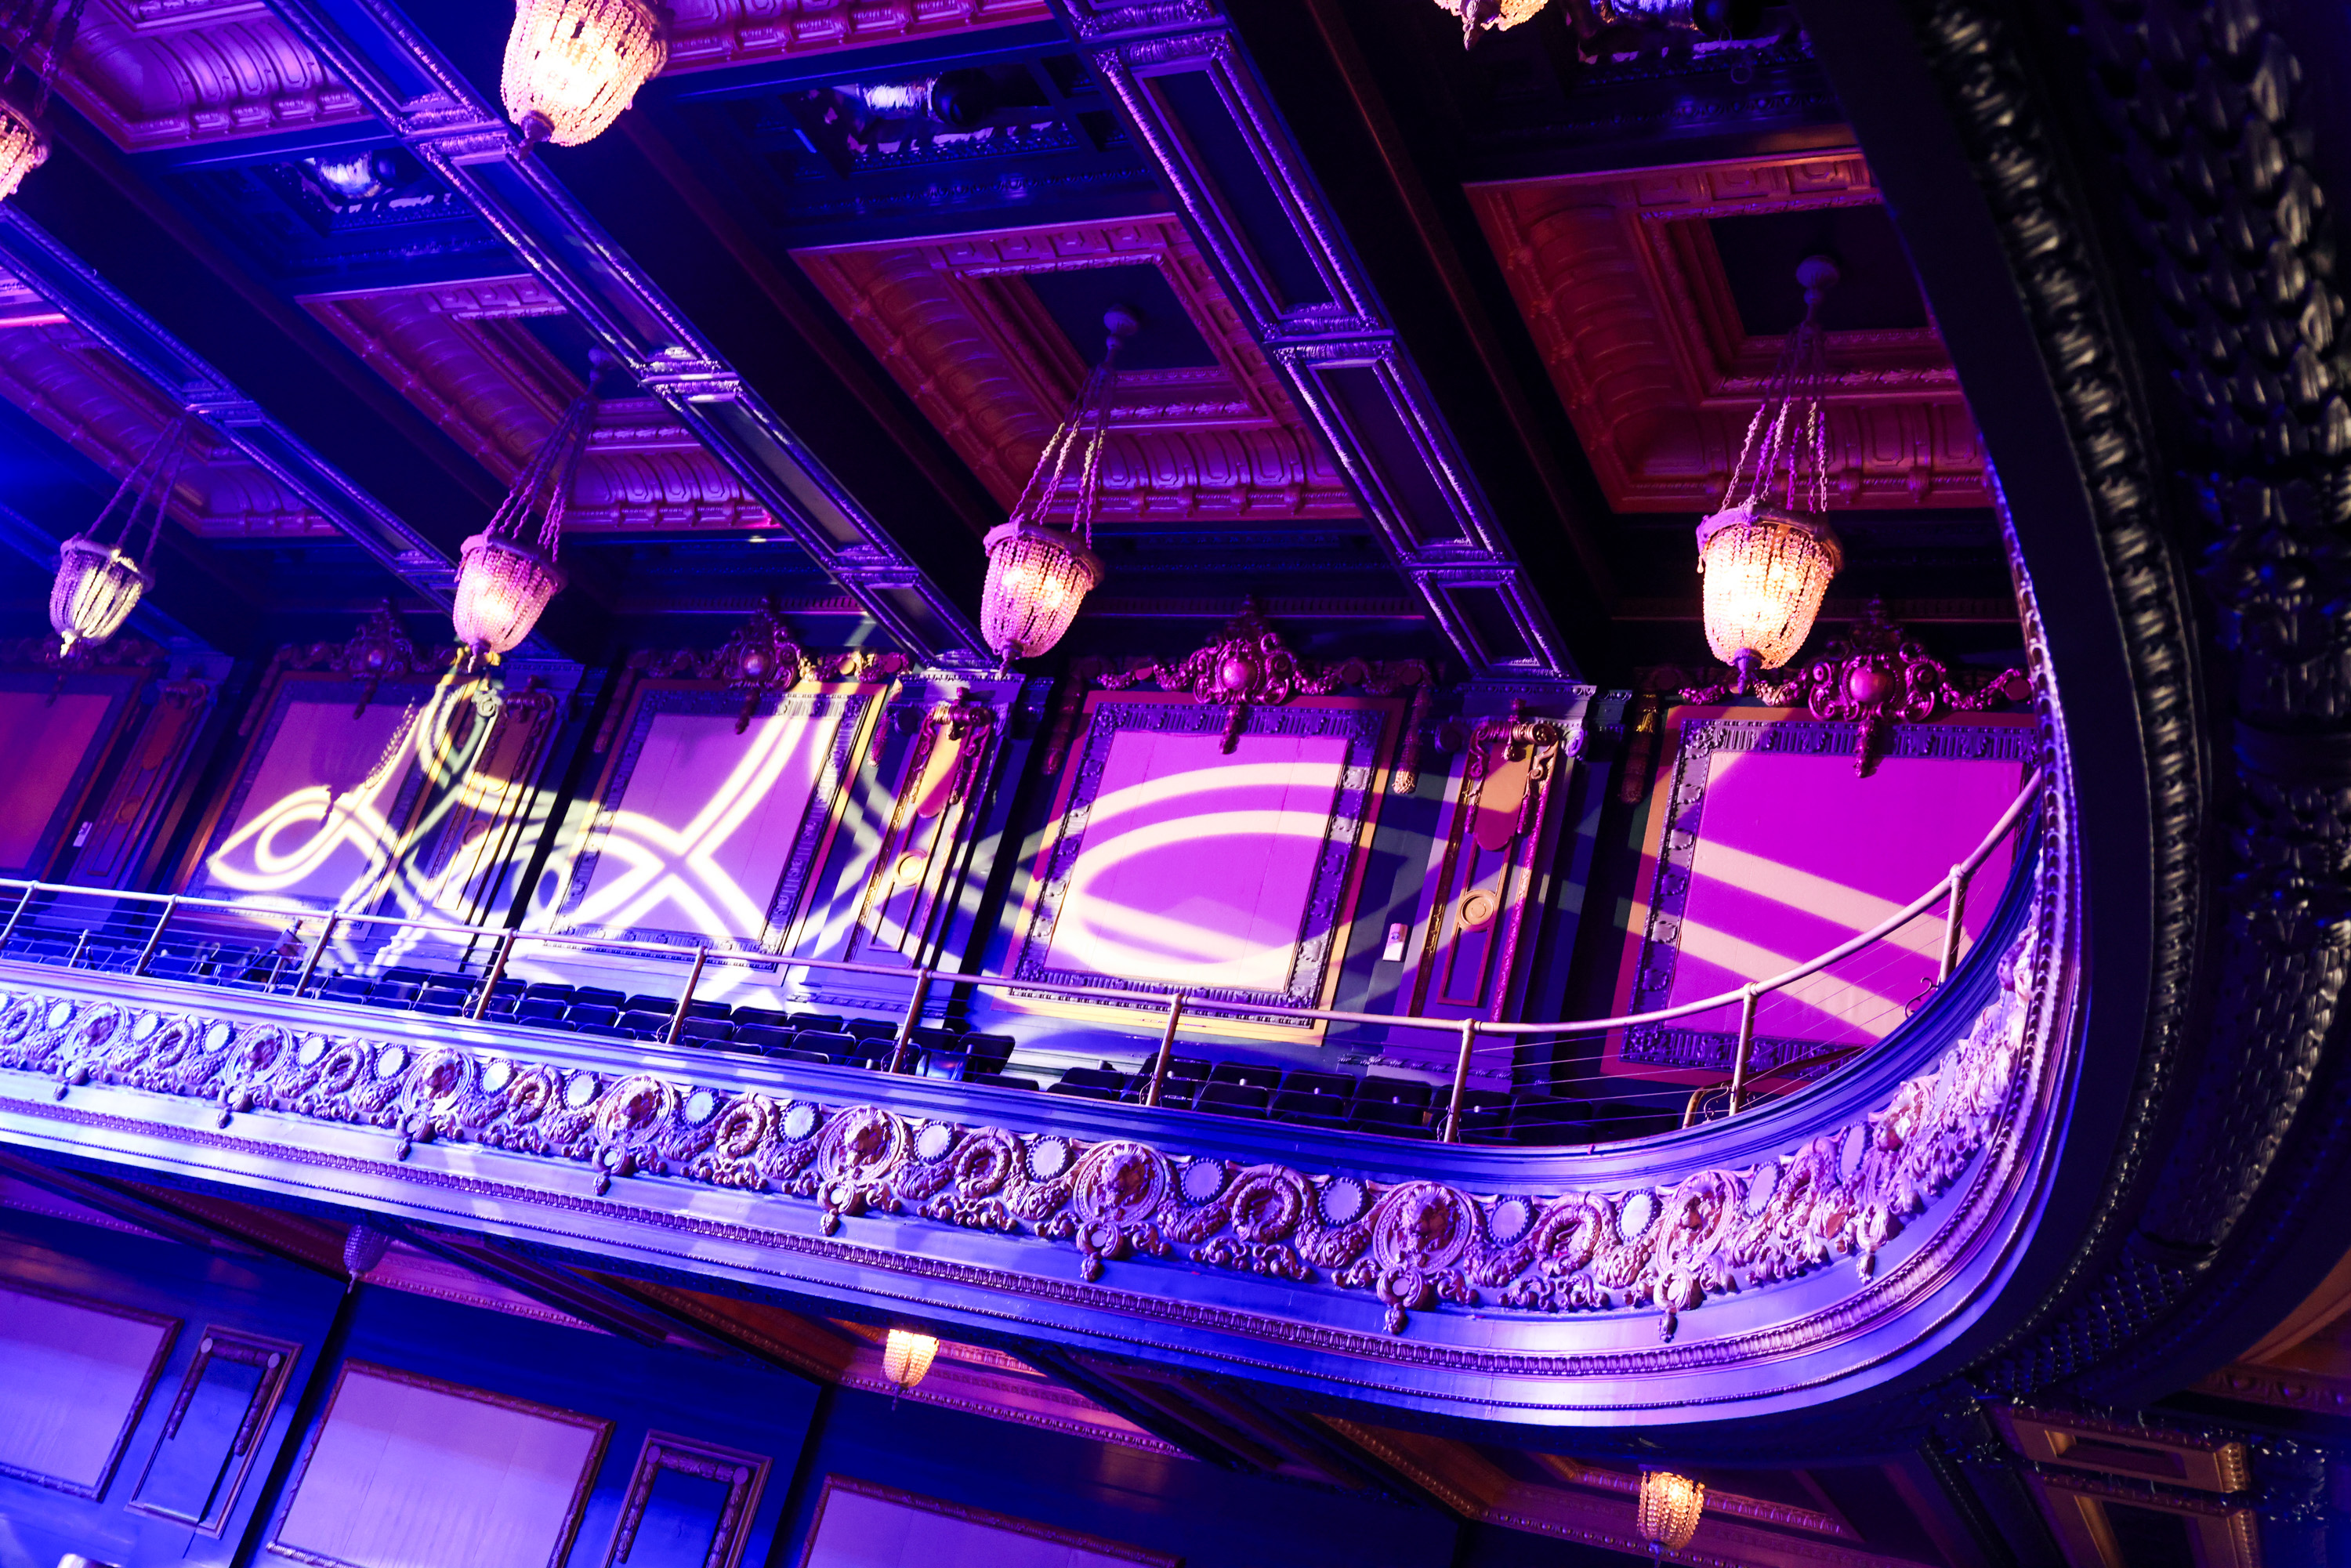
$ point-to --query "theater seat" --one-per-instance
(1227, 1099)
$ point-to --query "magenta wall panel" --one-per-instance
(1178, 864)
(1766, 848)
(705, 835)
(48, 741)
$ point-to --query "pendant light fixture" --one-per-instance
(573, 65)
(907, 1357)
(1669, 1511)
(505, 579)
(43, 30)
(1769, 554)
(1038, 574)
(99, 582)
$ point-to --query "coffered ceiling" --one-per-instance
(843, 333)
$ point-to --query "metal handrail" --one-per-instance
(1951, 891)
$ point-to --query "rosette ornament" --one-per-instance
(1038, 574)
(100, 581)
(1768, 553)
(505, 577)
(573, 65)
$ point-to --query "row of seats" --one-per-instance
(1395, 1107)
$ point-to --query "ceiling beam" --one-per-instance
(464, 137)
(1200, 110)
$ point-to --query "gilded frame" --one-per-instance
(277, 1358)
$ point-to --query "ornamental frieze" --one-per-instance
(1415, 1245)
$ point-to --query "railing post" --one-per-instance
(911, 1021)
(497, 972)
(685, 997)
(18, 913)
(318, 951)
(147, 954)
(1166, 1050)
(1460, 1081)
(1951, 926)
(1746, 1048)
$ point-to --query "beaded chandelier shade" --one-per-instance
(100, 581)
(1669, 1509)
(33, 37)
(573, 65)
(907, 1357)
(505, 579)
(1769, 554)
(1038, 575)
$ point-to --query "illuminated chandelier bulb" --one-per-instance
(907, 1357)
(1767, 562)
(1038, 576)
(1669, 1509)
(505, 577)
(23, 147)
(573, 65)
(99, 582)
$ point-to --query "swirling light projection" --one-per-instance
(1196, 869)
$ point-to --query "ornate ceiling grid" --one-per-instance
(82, 393)
(976, 350)
(1619, 281)
(461, 353)
(708, 34)
(164, 73)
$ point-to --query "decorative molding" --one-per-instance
(1619, 281)
(166, 73)
(377, 652)
(1873, 678)
(760, 659)
(275, 1359)
(744, 1477)
(2288, 1388)
(1249, 666)
(1077, 1543)
(459, 353)
(1413, 1246)
(88, 396)
(709, 34)
(974, 348)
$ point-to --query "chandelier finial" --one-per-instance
(1768, 553)
(1038, 575)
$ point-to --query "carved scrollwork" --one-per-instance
(1413, 1245)
(762, 659)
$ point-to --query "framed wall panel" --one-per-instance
(1498, 830)
(77, 1372)
(713, 813)
(689, 1505)
(1765, 848)
(939, 782)
(403, 1469)
(1199, 848)
(863, 1524)
(226, 1397)
(60, 721)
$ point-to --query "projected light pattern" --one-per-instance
(707, 835)
(1796, 855)
(1202, 870)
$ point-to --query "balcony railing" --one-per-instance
(211, 941)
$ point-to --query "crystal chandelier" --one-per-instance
(1038, 575)
(573, 65)
(1768, 555)
(99, 582)
(1669, 1509)
(39, 32)
(907, 1357)
(504, 580)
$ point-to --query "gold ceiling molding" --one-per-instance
(1620, 282)
(955, 325)
(165, 73)
(708, 34)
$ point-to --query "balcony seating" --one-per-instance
(1249, 1073)
(593, 1017)
(1084, 1091)
(1485, 1117)
(763, 1039)
(644, 1024)
(1392, 1117)
(342, 989)
(707, 1031)
(543, 1011)
(833, 1045)
(762, 1018)
(815, 1058)
(1229, 1099)
(824, 1023)
(989, 1052)
(882, 1029)
(392, 993)
(595, 997)
(445, 1002)
(1001, 1081)
(1535, 1119)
